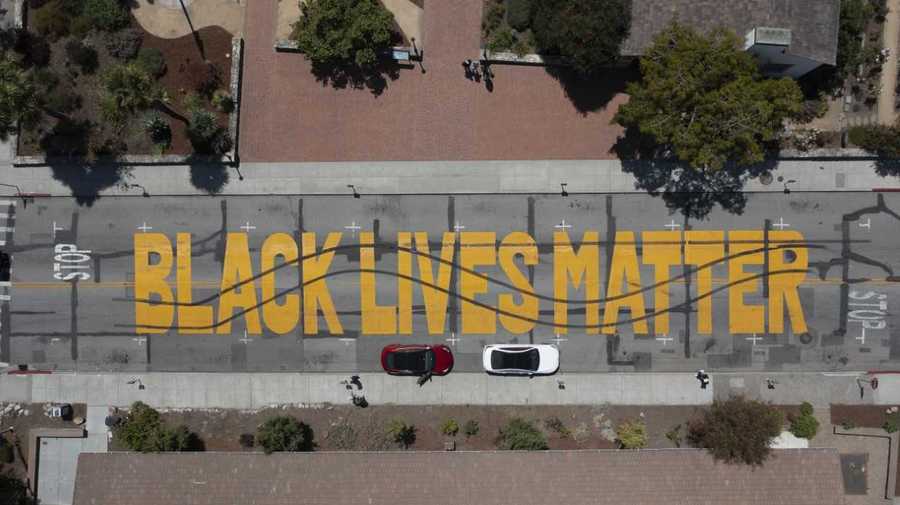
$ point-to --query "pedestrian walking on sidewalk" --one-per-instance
(703, 377)
(467, 66)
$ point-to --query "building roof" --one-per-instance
(813, 23)
(591, 477)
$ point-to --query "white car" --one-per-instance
(517, 359)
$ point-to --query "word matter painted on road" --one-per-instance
(577, 266)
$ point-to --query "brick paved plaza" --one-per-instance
(289, 116)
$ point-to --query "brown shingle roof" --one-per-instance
(813, 23)
(647, 477)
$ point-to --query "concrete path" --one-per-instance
(429, 177)
(253, 391)
(888, 96)
(166, 19)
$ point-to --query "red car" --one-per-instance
(416, 359)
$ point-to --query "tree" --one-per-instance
(340, 32)
(284, 434)
(12, 490)
(737, 430)
(586, 33)
(521, 435)
(107, 15)
(128, 89)
(18, 97)
(702, 99)
(144, 431)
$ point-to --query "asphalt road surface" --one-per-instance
(76, 285)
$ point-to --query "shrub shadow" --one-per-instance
(689, 192)
(886, 167)
(593, 93)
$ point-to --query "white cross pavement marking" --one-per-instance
(755, 338)
(562, 225)
(347, 341)
(868, 224)
(140, 340)
(247, 227)
(353, 227)
(559, 339)
(671, 226)
(862, 336)
(55, 229)
(246, 340)
(453, 340)
(143, 227)
(457, 227)
(665, 339)
(7, 229)
(781, 225)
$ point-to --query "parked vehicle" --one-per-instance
(517, 359)
(416, 359)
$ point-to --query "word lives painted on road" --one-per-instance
(164, 293)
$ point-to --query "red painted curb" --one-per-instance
(886, 190)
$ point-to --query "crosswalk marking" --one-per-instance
(7, 229)
(8, 203)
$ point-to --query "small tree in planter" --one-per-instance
(805, 425)
(737, 430)
(403, 434)
(284, 434)
(341, 32)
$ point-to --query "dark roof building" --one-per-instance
(791, 37)
(592, 477)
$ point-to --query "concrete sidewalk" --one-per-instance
(416, 177)
(254, 391)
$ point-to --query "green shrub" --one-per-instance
(402, 434)
(493, 17)
(880, 139)
(737, 430)
(143, 429)
(82, 55)
(471, 428)
(450, 427)
(806, 409)
(13, 490)
(205, 134)
(501, 40)
(284, 434)
(159, 131)
(124, 44)
(51, 21)
(63, 100)
(7, 451)
(848, 424)
(107, 15)
(152, 61)
(892, 422)
(521, 435)
(223, 101)
(80, 27)
(804, 426)
(632, 434)
(674, 435)
(518, 14)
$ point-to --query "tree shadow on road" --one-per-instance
(690, 192)
(87, 180)
(211, 177)
(593, 93)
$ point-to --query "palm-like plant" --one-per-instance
(128, 89)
